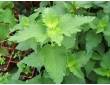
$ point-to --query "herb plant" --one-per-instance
(69, 41)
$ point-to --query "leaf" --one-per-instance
(39, 80)
(70, 24)
(83, 58)
(5, 5)
(77, 72)
(103, 72)
(6, 16)
(33, 60)
(76, 61)
(107, 38)
(105, 63)
(50, 18)
(4, 31)
(92, 40)
(69, 42)
(103, 80)
(96, 56)
(55, 35)
(71, 79)
(89, 67)
(34, 31)
(54, 62)
(25, 45)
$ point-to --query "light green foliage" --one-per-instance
(55, 25)
(66, 42)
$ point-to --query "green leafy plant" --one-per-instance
(66, 42)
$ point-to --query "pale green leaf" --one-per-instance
(34, 31)
(25, 45)
(55, 62)
(70, 24)
(33, 60)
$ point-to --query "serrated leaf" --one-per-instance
(70, 24)
(50, 18)
(54, 62)
(25, 45)
(33, 60)
(76, 61)
(34, 31)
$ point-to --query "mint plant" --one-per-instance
(69, 41)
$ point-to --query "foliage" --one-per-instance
(2, 60)
(69, 42)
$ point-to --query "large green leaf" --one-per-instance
(70, 24)
(33, 31)
(54, 62)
